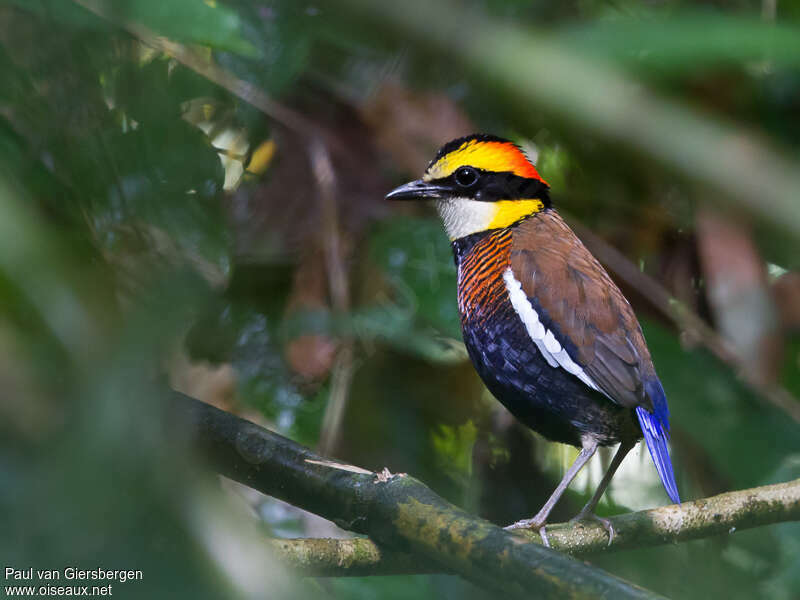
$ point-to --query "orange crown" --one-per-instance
(485, 152)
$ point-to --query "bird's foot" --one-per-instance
(590, 516)
(534, 524)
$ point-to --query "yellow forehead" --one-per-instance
(489, 156)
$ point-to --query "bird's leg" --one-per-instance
(587, 512)
(538, 521)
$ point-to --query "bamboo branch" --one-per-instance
(717, 515)
(393, 510)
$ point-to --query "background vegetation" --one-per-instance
(164, 224)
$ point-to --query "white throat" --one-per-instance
(463, 216)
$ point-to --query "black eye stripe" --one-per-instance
(491, 186)
(528, 186)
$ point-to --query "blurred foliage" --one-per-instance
(128, 262)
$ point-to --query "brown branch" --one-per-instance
(325, 176)
(718, 515)
(392, 510)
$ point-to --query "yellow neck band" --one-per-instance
(510, 211)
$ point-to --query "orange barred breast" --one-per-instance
(481, 288)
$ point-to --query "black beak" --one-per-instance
(418, 190)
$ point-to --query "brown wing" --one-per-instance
(579, 302)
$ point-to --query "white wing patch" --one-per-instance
(549, 346)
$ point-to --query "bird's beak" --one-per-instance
(418, 190)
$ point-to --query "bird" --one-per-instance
(546, 328)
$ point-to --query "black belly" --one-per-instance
(547, 399)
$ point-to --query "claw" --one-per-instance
(524, 524)
(543, 535)
(532, 524)
(605, 523)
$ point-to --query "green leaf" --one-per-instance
(453, 446)
(785, 579)
(192, 21)
(152, 194)
(417, 261)
(686, 41)
(283, 34)
(790, 373)
(64, 12)
(404, 332)
(155, 90)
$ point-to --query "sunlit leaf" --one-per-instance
(453, 447)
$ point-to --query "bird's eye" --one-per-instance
(466, 176)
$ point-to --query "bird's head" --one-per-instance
(479, 182)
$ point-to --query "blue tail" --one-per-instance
(655, 427)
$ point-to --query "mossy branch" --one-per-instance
(396, 511)
(415, 531)
(718, 515)
(353, 557)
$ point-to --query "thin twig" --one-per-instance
(333, 250)
(325, 177)
(717, 515)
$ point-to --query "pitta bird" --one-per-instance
(548, 331)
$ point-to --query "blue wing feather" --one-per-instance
(655, 427)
